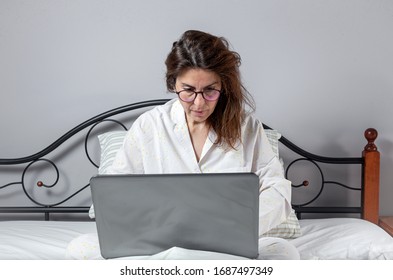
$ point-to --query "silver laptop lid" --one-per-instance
(147, 214)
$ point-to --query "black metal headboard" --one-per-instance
(58, 207)
(28, 161)
(315, 160)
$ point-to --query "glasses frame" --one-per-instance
(196, 94)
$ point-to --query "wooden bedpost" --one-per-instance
(370, 195)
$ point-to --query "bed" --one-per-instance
(64, 227)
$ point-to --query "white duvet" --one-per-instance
(338, 238)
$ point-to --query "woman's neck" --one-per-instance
(198, 135)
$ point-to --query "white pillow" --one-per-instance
(110, 143)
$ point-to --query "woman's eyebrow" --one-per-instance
(190, 86)
(211, 84)
(186, 85)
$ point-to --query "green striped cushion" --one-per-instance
(288, 229)
(273, 136)
(110, 143)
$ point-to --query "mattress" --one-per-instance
(336, 238)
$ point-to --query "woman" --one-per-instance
(207, 128)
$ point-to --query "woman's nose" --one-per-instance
(199, 99)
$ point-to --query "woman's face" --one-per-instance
(199, 110)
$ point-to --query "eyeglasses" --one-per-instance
(189, 95)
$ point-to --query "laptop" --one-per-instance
(139, 215)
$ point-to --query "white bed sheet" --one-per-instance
(45, 240)
(343, 238)
(340, 238)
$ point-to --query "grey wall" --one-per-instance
(321, 72)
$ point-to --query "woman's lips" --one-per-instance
(199, 113)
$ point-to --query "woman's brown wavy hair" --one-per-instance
(200, 50)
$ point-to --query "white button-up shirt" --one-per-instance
(159, 142)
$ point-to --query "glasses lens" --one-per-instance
(211, 94)
(187, 95)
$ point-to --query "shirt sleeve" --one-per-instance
(275, 190)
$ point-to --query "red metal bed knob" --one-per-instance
(40, 183)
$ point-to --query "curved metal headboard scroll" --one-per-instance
(317, 158)
(370, 135)
(39, 157)
(75, 130)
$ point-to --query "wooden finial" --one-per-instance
(371, 134)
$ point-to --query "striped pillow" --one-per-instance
(273, 136)
(110, 143)
(288, 229)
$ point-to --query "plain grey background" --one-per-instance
(321, 72)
